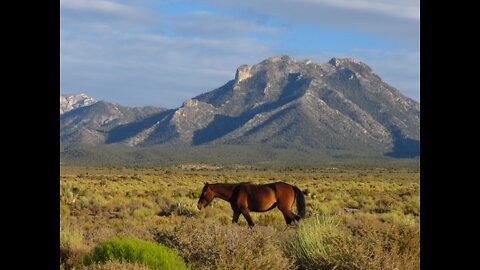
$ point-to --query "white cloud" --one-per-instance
(404, 9)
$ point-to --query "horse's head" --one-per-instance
(206, 197)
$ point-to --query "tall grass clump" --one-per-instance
(133, 250)
(314, 245)
(72, 248)
(323, 242)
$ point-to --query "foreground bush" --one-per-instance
(133, 250)
(218, 246)
(323, 242)
(117, 265)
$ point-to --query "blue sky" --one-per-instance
(161, 53)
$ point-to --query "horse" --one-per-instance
(246, 197)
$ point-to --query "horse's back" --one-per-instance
(276, 188)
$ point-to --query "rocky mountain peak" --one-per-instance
(243, 72)
(350, 63)
(279, 58)
(69, 102)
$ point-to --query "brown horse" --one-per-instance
(246, 197)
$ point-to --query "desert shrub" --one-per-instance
(194, 194)
(351, 203)
(216, 246)
(179, 208)
(412, 206)
(315, 207)
(183, 209)
(384, 204)
(273, 218)
(144, 212)
(134, 250)
(64, 210)
(384, 245)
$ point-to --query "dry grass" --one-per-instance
(217, 246)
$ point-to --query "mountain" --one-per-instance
(340, 108)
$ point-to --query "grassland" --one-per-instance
(357, 217)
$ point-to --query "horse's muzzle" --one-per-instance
(199, 206)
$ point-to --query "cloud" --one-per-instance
(388, 18)
(210, 24)
(409, 10)
(104, 16)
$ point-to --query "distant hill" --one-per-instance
(338, 109)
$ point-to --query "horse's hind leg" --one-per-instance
(287, 213)
(289, 216)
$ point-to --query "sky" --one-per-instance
(161, 53)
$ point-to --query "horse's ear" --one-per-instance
(206, 183)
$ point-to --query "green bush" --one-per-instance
(133, 250)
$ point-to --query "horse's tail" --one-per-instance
(300, 199)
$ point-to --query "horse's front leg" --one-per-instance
(246, 214)
(236, 215)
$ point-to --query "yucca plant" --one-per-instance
(68, 193)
